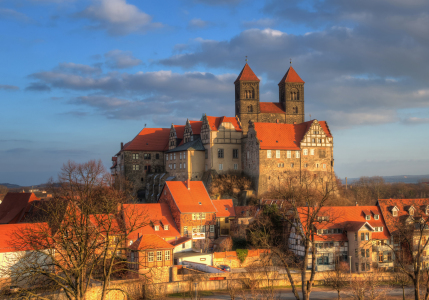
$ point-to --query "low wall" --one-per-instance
(202, 267)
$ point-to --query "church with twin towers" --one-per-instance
(264, 140)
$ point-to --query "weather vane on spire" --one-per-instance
(246, 58)
(290, 61)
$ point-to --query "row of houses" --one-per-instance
(364, 237)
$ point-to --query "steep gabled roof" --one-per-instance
(291, 76)
(149, 139)
(215, 122)
(402, 205)
(180, 241)
(149, 242)
(9, 233)
(271, 107)
(14, 206)
(194, 200)
(247, 74)
(349, 218)
(224, 207)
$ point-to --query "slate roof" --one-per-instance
(291, 76)
(247, 74)
(403, 205)
(188, 201)
(349, 218)
(224, 207)
(15, 205)
(196, 145)
(284, 136)
(271, 107)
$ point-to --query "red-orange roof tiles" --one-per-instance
(271, 107)
(179, 241)
(215, 122)
(150, 241)
(291, 76)
(196, 199)
(350, 218)
(247, 74)
(224, 207)
(149, 139)
(10, 232)
(403, 205)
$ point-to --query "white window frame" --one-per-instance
(277, 153)
(297, 154)
(203, 216)
(220, 167)
(174, 166)
(156, 227)
(165, 227)
(288, 154)
(174, 155)
(158, 255)
(135, 156)
(180, 155)
(305, 152)
(376, 217)
(167, 255)
(367, 217)
(212, 229)
(324, 166)
(268, 153)
(150, 256)
(184, 165)
(136, 167)
(311, 151)
(184, 155)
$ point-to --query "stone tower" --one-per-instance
(247, 97)
(291, 96)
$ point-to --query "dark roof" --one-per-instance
(14, 206)
(196, 145)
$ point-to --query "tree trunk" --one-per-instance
(403, 292)
(416, 282)
(339, 297)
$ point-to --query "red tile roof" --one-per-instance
(215, 122)
(152, 214)
(188, 201)
(325, 128)
(283, 136)
(14, 206)
(224, 207)
(149, 139)
(403, 205)
(106, 223)
(196, 127)
(291, 76)
(247, 75)
(350, 218)
(150, 241)
(271, 107)
(11, 232)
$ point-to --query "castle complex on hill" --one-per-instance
(263, 140)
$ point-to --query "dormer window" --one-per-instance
(411, 211)
(395, 211)
(376, 217)
(368, 217)
(199, 203)
(165, 227)
(156, 227)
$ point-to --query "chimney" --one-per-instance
(122, 145)
(357, 204)
(294, 122)
(188, 182)
(277, 120)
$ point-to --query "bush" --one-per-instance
(241, 254)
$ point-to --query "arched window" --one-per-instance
(250, 108)
(297, 95)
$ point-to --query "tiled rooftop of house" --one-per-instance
(195, 199)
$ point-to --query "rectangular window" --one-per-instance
(235, 166)
(156, 227)
(203, 228)
(158, 255)
(362, 252)
(389, 256)
(268, 153)
(171, 156)
(324, 166)
(311, 151)
(184, 165)
(356, 252)
(380, 257)
(292, 165)
(147, 156)
(180, 155)
(150, 256)
(288, 154)
(367, 252)
(367, 236)
(211, 228)
(167, 254)
(319, 141)
(362, 236)
(166, 157)
(220, 166)
(185, 229)
(363, 266)
(376, 217)
(135, 156)
(203, 216)
(357, 267)
(305, 151)
(219, 153)
(248, 154)
(280, 165)
(157, 156)
(184, 155)
(183, 245)
(277, 153)
(165, 227)
(180, 165)
(136, 167)
(174, 155)
(367, 217)
(234, 153)
(296, 154)
(206, 153)
(174, 166)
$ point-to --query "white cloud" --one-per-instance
(118, 59)
(118, 17)
(197, 24)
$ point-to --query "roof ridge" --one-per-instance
(247, 74)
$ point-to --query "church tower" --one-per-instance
(247, 97)
(291, 96)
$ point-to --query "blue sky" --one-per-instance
(79, 77)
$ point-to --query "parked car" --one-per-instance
(225, 268)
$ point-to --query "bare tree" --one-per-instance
(367, 286)
(338, 279)
(302, 193)
(81, 236)
(402, 280)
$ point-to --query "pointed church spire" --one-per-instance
(291, 76)
(247, 74)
